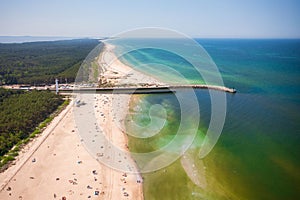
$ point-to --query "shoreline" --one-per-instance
(136, 80)
(152, 85)
(60, 165)
(119, 74)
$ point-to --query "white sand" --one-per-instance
(120, 74)
(64, 168)
(62, 156)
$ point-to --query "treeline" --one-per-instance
(21, 112)
(42, 62)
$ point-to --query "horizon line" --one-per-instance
(60, 38)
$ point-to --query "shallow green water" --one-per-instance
(256, 156)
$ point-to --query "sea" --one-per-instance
(256, 155)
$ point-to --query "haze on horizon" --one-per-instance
(196, 18)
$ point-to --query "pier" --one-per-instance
(145, 89)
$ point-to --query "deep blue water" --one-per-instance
(257, 155)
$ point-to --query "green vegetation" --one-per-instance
(42, 62)
(6, 93)
(95, 70)
(23, 115)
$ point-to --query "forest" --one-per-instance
(21, 112)
(39, 63)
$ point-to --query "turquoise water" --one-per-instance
(257, 154)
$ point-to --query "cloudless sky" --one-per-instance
(196, 18)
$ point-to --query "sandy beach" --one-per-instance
(59, 164)
(118, 74)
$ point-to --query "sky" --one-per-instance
(195, 18)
